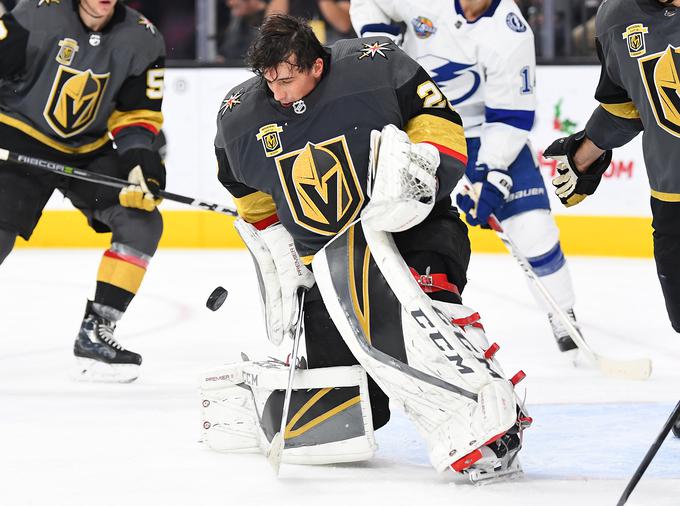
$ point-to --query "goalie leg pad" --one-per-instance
(329, 420)
(457, 398)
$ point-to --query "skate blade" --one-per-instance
(481, 477)
(95, 371)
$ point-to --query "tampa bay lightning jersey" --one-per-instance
(486, 67)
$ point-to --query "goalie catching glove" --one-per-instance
(280, 273)
(572, 186)
(402, 181)
(146, 176)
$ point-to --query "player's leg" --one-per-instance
(427, 355)
(526, 218)
(7, 240)
(135, 237)
(23, 194)
(666, 224)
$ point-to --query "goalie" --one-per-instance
(318, 139)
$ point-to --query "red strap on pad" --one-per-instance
(430, 283)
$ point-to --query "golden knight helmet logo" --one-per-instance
(74, 101)
(662, 82)
(321, 186)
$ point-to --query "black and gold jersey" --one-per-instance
(306, 165)
(638, 45)
(68, 88)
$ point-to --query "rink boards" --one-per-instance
(614, 222)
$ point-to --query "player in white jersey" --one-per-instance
(481, 55)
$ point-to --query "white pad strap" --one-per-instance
(329, 420)
(402, 180)
(280, 273)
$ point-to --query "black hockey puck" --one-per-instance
(216, 299)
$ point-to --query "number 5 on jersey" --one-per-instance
(154, 83)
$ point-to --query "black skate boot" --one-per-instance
(564, 341)
(100, 357)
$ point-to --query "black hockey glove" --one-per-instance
(572, 186)
(146, 173)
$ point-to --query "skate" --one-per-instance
(100, 357)
(564, 341)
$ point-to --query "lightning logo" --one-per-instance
(461, 80)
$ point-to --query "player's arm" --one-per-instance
(134, 124)
(13, 44)
(509, 110)
(375, 17)
(255, 207)
(616, 121)
(509, 100)
(584, 156)
(429, 118)
(413, 168)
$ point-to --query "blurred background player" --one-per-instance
(328, 18)
(245, 17)
(638, 91)
(482, 57)
(73, 74)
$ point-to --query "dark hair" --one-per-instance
(280, 37)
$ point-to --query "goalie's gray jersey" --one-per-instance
(639, 89)
(306, 166)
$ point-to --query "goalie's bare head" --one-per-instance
(288, 56)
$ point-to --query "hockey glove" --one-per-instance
(146, 175)
(402, 181)
(485, 198)
(572, 186)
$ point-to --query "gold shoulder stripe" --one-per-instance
(41, 137)
(119, 119)
(666, 197)
(430, 128)
(626, 110)
(255, 207)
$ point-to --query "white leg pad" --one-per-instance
(330, 422)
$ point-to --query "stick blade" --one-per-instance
(639, 369)
(275, 452)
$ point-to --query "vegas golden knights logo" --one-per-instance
(67, 51)
(321, 185)
(270, 135)
(74, 100)
(635, 36)
(662, 81)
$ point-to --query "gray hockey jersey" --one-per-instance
(68, 88)
(639, 90)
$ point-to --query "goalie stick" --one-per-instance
(93, 177)
(675, 416)
(278, 442)
(639, 369)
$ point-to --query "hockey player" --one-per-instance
(73, 75)
(481, 54)
(319, 138)
(637, 43)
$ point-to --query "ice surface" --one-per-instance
(68, 443)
